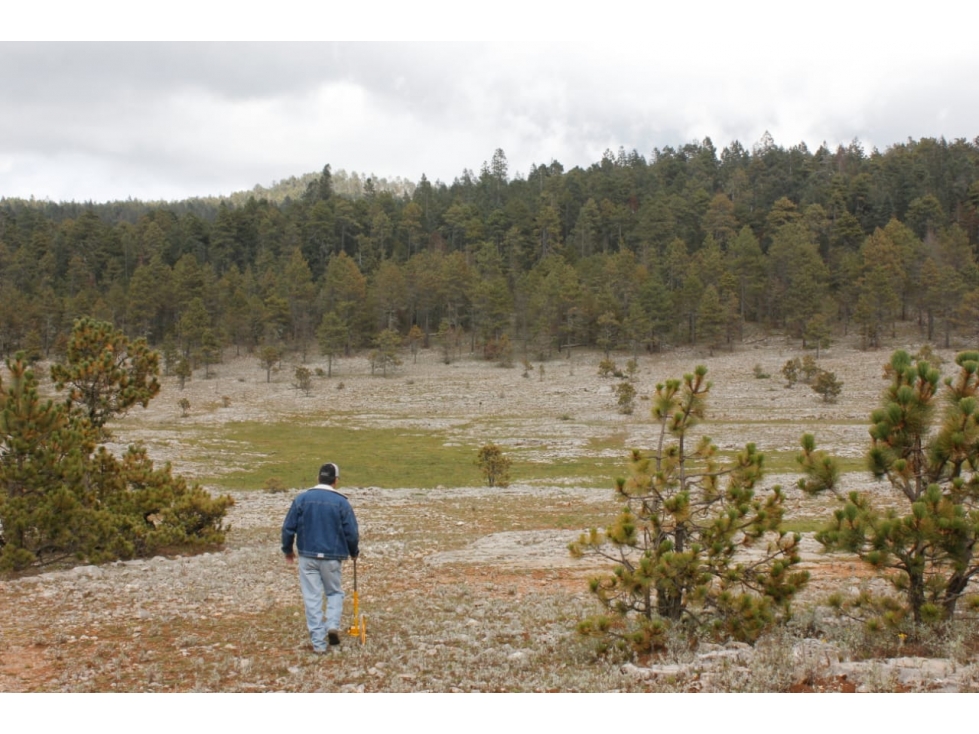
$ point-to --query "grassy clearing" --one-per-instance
(786, 462)
(805, 524)
(615, 442)
(376, 457)
(395, 457)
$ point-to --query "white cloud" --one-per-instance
(93, 121)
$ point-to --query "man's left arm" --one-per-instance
(289, 527)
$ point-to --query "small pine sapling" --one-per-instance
(808, 369)
(626, 394)
(495, 465)
(183, 371)
(827, 386)
(606, 368)
(269, 357)
(678, 546)
(790, 371)
(303, 380)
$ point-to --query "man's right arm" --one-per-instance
(351, 531)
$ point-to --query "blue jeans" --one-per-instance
(319, 578)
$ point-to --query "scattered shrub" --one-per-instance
(790, 371)
(499, 351)
(495, 465)
(809, 369)
(274, 485)
(626, 393)
(929, 355)
(303, 380)
(826, 385)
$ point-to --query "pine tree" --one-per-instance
(183, 371)
(608, 332)
(710, 319)
(303, 380)
(676, 545)
(41, 450)
(63, 496)
(415, 339)
(269, 357)
(209, 351)
(332, 335)
(827, 386)
(388, 344)
(929, 551)
(105, 373)
(816, 333)
(625, 393)
(495, 465)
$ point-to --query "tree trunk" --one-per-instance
(957, 584)
(916, 594)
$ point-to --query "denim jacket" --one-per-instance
(322, 523)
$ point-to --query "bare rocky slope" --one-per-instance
(464, 588)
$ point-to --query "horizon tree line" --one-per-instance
(686, 247)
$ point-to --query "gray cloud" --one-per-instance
(169, 120)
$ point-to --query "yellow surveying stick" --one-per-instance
(359, 627)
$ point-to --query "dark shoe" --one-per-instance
(333, 636)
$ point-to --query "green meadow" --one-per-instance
(395, 457)
(381, 457)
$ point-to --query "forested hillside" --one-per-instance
(685, 246)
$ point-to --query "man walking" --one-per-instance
(323, 525)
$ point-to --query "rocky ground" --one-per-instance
(463, 588)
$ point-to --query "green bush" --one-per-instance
(626, 393)
(827, 386)
(606, 367)
(495, 465)
(65, 497)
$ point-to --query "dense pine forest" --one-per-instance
(686, 246)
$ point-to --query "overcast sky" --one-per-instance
(101, 121)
